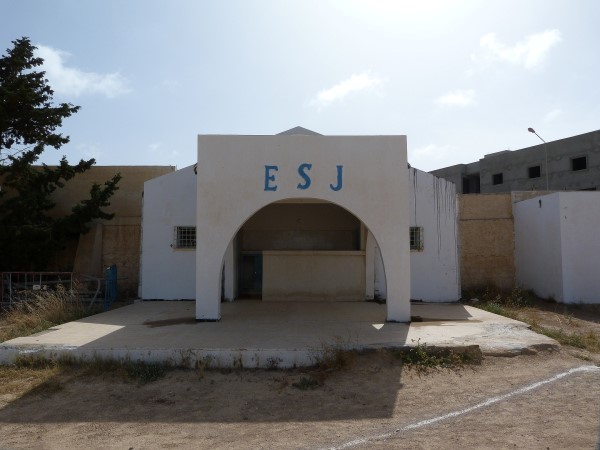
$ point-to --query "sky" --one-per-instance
(460, 79)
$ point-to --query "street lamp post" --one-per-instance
(531, 130)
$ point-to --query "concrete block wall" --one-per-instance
(121, 246)
(108, 242)
(486, 236)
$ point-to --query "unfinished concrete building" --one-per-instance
(570, 164)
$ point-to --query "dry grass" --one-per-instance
(523, 305)
(589, 341)
(14, 381)
(43, 311)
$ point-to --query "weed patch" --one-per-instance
(35, 362)
(425, 359)
(135, 371)
(309, 382)
(515, 298)
(138, 372)
(334, 358)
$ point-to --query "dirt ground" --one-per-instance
(359, 406)
(373, 395)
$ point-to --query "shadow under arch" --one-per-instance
(230, 253)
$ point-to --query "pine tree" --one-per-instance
(29, 121)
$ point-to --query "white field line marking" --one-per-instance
(488, 402)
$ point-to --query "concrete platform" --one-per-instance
(266, 334)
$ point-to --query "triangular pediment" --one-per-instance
(298, 130)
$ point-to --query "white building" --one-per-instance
(300, 217)
(557, 248)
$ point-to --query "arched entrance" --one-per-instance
(240, 175)
(302, 250)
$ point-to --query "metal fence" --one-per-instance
(16, 287)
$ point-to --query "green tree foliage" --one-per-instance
(29, 120)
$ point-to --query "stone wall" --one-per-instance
(486, 235)
(108, 242)
(121, 246)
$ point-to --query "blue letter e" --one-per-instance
(302, 169)
(270, 177)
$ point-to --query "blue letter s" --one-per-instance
(302, 169)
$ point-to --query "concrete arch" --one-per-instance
(239, 175)
(309, 200)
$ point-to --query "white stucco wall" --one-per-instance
(169, 274)
(434, 270)
(537, 246)
(557, 249)
(579, 217)
(237, 177)
(169, 201)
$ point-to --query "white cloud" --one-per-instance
(457, 98)
(529, 53)
(171, 85)
(154, 146)
(90, 150)
(551, 115)
(432, 156)
(357, 82)
(75, 82)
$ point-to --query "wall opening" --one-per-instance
(301, 250)
(579, 163)
(471, 184)
(534, 172)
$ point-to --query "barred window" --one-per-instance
(416, 238)
(185, 237)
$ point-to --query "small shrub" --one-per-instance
(425, 359)
(333, 357)
(306, 383)
(202, 365)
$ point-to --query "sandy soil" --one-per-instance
(373, 395)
